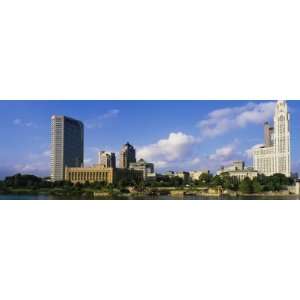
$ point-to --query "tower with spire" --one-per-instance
(275, 156)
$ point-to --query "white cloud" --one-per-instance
(46, 153)
(88, 160)
(109, 114)
(222, 120)
(17, 121)
(37, 168)
(20, 122)
(223, 156)
(223, 153)
(99, 121)
(173, 148)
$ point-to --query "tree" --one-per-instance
(245, 186)
(205, 179)
(257, 187)
(140, 186)
(217, 181)
(123, 183)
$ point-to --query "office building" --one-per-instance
(127, 156)
(107, 159)
(142, 165)
(99, 173)
(67, 136)
(269, 160)
(268, 135)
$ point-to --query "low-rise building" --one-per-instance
(170, 174)
(142, 165)
(236, 166)
(238, 171)
(194, 175)
(184, 175)
(100, 173)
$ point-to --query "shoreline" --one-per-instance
(156, 193)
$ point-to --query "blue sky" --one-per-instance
(175, 135)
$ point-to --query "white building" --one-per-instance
(107, 159)
(238, 171)
(276, 158)
(194, 175)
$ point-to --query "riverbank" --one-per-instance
(131, 194)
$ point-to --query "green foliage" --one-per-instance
(257, 187)
(31, 183)
(205, 179)
(245, 186)
(19, 180)
(217, 181)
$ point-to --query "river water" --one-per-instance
(168, 197)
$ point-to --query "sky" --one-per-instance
(175, 135)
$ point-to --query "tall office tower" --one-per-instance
(127, 156)
(107, 159)
(269, 160)
(282, 140)
(66, 145)
(268, 134)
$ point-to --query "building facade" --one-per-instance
(67, 139)
(195, 175)
(269, 160)
(99, 173)
(142, 165)
(238, 165)
(127, 156)
(268, 135)
(239, 171)
(107, 159)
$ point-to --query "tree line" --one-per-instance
(259, 184)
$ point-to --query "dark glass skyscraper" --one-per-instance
(67, 137)
(127, 156)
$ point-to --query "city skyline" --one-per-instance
(174, 135)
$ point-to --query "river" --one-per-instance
(167, 197)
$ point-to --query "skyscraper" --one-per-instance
(107, 159)
(66, 145)
(127, 156)
(276, 158)
(282, 139)
(268, 134)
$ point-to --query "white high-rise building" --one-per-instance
(269, 160)
(66, 145)
(107, 159)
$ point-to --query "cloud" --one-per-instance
(109, 114)
(33, 167)
(17, 121)
(175, 147)
(98, 122)
(223, 153)
(223, 120)
(46, 153)
(88, 160)
(223, 156)
(22, 123)
(37, 163)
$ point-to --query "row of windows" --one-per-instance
(88, 176)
